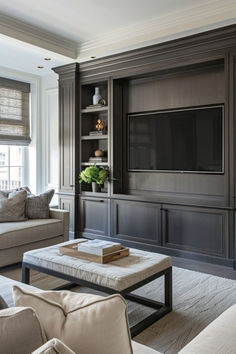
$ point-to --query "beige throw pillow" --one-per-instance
(12, 206)
(85, 323)
(37, 206)
(20, 331)
(54, 346)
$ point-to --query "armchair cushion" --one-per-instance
(86, 323)
(20, 331)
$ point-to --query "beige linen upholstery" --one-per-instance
(18, 233)
(19, 237)
(217, 338)
(6, 285)
(12, 206)
(86, 323)
(142, 349)
(117, 275)
(63, 215)
(54, 346)
(20, 331)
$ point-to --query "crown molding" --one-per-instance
(198, 18)
(19, 30)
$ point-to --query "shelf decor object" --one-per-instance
(94, 175)
(96, 97)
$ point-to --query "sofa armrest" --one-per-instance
(54, 346)
(63, 215)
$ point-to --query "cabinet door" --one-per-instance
(67, 203)
(137, 221)
(93, 217)
(66, 136)
(198, 230)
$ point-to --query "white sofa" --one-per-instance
(218, 338)
(19, 237)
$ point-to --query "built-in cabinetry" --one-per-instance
(182, 214)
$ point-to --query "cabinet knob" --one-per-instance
(72, 185)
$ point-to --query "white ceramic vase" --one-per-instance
(96, 96)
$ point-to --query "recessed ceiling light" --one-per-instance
(40, 67)
(47, 58)
(93, 57)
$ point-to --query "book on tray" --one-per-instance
(99, 247)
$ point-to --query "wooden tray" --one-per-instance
(72, 250)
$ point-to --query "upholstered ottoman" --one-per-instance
(122, 276)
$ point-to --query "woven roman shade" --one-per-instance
(14, 112)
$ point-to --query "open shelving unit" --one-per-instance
(88, 120)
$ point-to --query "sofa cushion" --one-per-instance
(12, 206)
(219, 337)
(81, 320)
(142, 349)
(37, 206)
(19, 233)
(20, 331)
(54, 346)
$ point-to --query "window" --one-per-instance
(12, 166)
(14, 132)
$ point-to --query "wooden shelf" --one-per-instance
(92, 163)
(94, 110)
(94, 137)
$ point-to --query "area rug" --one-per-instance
(198, 299)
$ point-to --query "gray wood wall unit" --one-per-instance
(189, 215)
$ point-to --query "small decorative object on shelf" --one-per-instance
(99, 153)
(96, 97)
(100, 126)
(98, 101)
(95, 175)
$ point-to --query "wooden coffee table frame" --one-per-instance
(161, 308)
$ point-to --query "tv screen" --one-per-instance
(178, 140)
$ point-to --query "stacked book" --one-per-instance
(93, 106)
(97, 132)
(97, 159)
(99, 247)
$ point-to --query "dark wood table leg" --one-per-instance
(168, 288)
(25, 274)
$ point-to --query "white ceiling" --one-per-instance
(68, 30)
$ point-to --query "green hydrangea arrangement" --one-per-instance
(93, 174)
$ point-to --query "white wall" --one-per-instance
(33, 180)
(43, 162)
(49, 136)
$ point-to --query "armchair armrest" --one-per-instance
(54, 346)
(63, 215)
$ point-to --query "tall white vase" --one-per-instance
(96, 96)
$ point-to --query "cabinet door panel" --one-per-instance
(198, 231)
(94, 216)
(67, 133)
(136, 221)
(67, 203)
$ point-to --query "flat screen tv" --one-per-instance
(184, 140)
